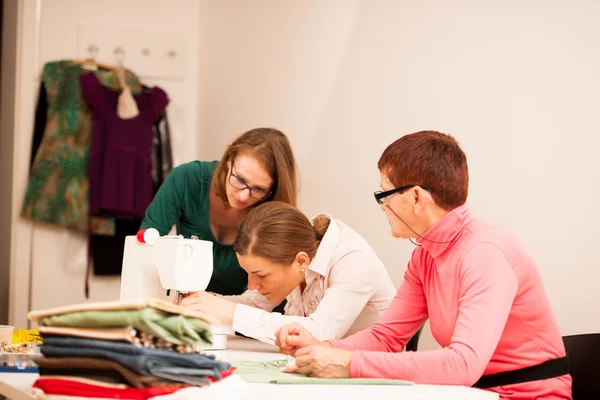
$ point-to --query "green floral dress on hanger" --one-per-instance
(57, 192)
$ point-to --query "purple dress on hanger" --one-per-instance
(120, 166)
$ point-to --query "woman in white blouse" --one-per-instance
(334, 283)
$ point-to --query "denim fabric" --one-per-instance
(90, 367)
(188, 368)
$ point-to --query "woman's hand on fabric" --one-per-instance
(323, 362)
(291, 367)
(290, 338)
(210, 304)
(177, 297)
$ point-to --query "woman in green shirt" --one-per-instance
(209, 200)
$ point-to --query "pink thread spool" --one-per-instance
(148, 236)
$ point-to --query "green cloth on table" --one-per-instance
(257, 372)
(174, 328)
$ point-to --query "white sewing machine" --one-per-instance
(172, 264)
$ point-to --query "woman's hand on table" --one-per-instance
(323, 362)
(210, 304)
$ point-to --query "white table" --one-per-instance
(17, 386)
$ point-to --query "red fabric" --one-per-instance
(224, 375)
(74, 387)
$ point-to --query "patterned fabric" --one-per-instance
(58, 184)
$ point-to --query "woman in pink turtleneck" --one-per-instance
(477, 284)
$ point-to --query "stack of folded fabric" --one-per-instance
(124, 350)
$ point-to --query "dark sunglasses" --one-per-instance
(380, 196)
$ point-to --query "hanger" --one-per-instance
(95, 64)
(91, 61)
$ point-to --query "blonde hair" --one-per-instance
(278, 232)
(273, 150)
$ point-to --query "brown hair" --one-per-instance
(277, 231)
(272, 149)
(429, 158)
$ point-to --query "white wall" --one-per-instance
(516, 83)
(58, 258)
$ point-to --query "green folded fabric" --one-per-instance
(261, 372)
(174, 328)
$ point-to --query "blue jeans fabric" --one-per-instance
(187, 368)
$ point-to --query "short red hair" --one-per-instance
(429, 158)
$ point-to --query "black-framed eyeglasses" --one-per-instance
(380, 196)
(237, 182)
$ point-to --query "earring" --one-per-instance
(302, 270)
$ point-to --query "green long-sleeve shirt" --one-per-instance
(183, 199)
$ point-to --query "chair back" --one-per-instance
(584, 357)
